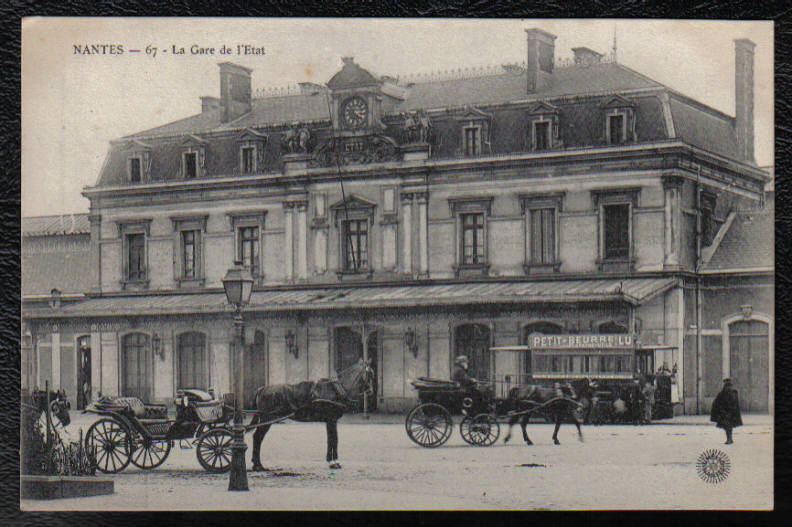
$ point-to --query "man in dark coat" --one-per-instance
(726, 410)
(461, 375)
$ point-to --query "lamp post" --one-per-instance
(238, 284)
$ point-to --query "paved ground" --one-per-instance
(617, 467)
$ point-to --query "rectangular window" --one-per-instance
(249, 248)
(248, 154)
(616, 129)
(541, 135)
(473, 238)
(136, 251)
(135, 171)
(190, 165)
(617, 231)
(472, 141)
(543, 236)
(355, 248)
(190, 254)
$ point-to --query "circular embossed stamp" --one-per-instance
(713, 466)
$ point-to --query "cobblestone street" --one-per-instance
(615, 467)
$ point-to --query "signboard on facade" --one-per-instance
(538, 341)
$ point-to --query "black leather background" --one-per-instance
(10, 16)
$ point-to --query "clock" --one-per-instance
(354, 113)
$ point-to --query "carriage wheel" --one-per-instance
(464, 430)
(150, 453)
(429, 425)
(484, 430)
(214, 450)
(110, 441)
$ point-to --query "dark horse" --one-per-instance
(564, 403)
(324, 400)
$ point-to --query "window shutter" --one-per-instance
(125, 256)
(548, 235)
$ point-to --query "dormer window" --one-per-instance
(138, 161)
(474, 132)
(619, 120)
(135, 170)
(543, 127)
(193, 157)
(251, 148)
(190, 165)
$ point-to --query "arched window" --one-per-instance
(192, 361)
(611, 327)
(136, 366)
(473, 340)
(749, 366)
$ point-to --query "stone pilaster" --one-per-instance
(423, 233)
(96, 252)
(406, 205)
(672, 216)
(288, 245)
(302, 239)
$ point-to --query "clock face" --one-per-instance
(354, 112)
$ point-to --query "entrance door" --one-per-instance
(349, 350)
(83, 371)
(474, 340)
(136, 366)
(255, 368)
(749, 355)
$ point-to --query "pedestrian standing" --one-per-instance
(649, 399)
(726, 410)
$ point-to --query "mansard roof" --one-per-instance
(747, 243)
(578, 92)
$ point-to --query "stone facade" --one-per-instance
(565, 186)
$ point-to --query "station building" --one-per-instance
(411, 220)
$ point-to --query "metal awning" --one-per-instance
(634, 291)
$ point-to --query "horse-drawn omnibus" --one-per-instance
(613, 363)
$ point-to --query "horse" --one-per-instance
(325, 400)
(562, 405)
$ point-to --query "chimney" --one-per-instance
(234, 90)
(744, 97)
(209, 103)
(541, 56)
(585, 56)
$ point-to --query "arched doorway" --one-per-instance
(83, 371)
(136, 367)
(749, 356)
(255, 367)
(474, 341)
(543, 327)
(348, 345)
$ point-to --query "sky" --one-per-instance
(74, 104)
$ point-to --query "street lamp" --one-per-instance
(238, 284)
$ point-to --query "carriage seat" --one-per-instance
(134, 405)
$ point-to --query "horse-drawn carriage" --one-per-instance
(430, 423)
(140, 433)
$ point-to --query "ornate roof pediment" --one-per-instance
(353, 203)
(617, 101)
(191, 139)
(249, 134)
(134, 144)
(543, 107)
(472, 113)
